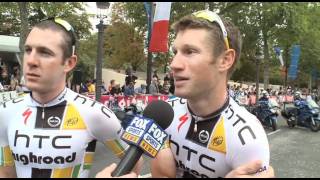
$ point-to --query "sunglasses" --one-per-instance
(213, 17)
(67, 26)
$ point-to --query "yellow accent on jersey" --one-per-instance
(58, 173)
(116, 148)
(218, 140)
(88, 158)
(73, 119)
(166, 144)
(8, 159)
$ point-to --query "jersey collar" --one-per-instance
(61, 97)
(211, 115)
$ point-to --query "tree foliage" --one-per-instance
(73, 12)
(263, 26)
(16, 18)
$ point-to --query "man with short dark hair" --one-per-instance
(52, 131)
(211, 135)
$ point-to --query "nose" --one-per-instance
(31, 59)
(177, 62)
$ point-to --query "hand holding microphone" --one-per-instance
(145, 134)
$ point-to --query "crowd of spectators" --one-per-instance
(158, 86)
(10, 80)
(237, 91)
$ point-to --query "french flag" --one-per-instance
(159, 36)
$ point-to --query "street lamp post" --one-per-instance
(100, 27)
(259, 57)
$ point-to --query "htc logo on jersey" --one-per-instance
(203, 159)
(57, 142)
(25, 138)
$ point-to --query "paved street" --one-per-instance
(104, 157)
(294, 153)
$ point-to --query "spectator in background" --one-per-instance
(130, 77)
(166, 77)
(155, 75)
(91, 87)
(171, 89)
(315, 95)
(14, 80)
(115, 90)
(1, 87)
(166, 84)
(165, 88)
(5, 79)
(129, 89)
(111, 85)
(230, 91)
(83, 88)
(160, 87)
(103, 88)
(141, 89)
(76, 80)
(154, 87)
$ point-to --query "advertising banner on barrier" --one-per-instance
(251, 100)
(125, 101)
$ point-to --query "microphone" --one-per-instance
(145, 134)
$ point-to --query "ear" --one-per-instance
(227, 60)
(70, 63)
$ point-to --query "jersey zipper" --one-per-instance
(196, 120)
(42, 115)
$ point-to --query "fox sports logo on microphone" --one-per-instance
(136, 129)
(146, 134)
(153, 139)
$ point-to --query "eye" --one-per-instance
(189, 51)
(174, 51)
(27, 50)
(44, 52)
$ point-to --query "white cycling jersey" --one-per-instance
(213, 146)
(57, 139)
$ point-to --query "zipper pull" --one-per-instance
(195, 129)
(42, 112)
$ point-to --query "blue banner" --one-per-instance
(295, 54)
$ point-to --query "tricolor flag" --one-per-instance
(159, 36)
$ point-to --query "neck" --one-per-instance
(209, 103)
(46, 97)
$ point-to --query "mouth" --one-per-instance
(179, 80)
(32, 75)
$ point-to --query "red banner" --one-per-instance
(252, 99)
(125, 101)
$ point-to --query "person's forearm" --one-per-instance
(163, 165)
(8, 172)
